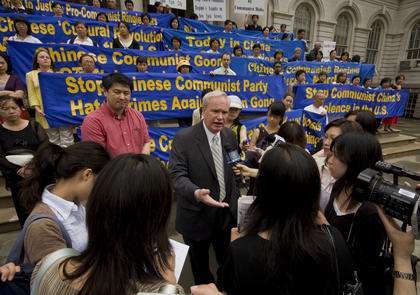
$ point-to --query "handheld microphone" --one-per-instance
(233, 158)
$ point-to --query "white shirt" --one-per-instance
(311, 108)
(87, 41)
(211, 51)
(211, 135)
(224, 71)
(327, 181)
(72, 216)
(28, 39)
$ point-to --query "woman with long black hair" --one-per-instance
(358, 221)
(128, 250)
(284, 250)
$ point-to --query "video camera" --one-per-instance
(398, 202)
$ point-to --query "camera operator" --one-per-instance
(358, 222)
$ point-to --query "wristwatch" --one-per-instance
(403, 275)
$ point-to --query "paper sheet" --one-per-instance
(181, 251)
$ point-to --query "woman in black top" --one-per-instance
(358, 221)
(125, 40)
(284, 250)
(17, 137)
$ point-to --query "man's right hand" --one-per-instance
(8, 271)
(203, 196)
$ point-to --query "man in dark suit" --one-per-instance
(205, 186)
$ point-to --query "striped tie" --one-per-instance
(218, 163)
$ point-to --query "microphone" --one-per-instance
(396, 170)
(233, 158)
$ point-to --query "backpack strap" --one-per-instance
(72, 39)
(17, 253)
(48, 262)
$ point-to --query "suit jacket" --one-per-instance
(192, 167)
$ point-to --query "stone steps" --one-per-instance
(396, 141)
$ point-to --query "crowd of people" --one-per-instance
(94, 211)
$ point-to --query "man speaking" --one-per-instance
(205, 186)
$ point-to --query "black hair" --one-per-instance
(158, 3)
(128, 1)
(266, 28)
(310, 56)
(193, 16)
(145, 15)
(323, 73)
(20, 19)
(52, 162)
(228, 21)
(111, 79)
(319, 52)
(141, 60)
(293, 132)
(367, 120)
(355, 77)
(254, 15)
(54, 4)
(291, 222)
(301, 31)
(18, 101)
(345, 53)
(285, 36)
(277, 63)
(299, 72)
(127, 25)
(256, 45)
(356, 58)
(170, 23)
(212, 40)
(238, 47)
(101, 13)
(344, 125)
(365, 80)
(278, 52)
(131, 245)
(277, 108)
(334, 50)
(358, 151)
(8, 62)
(283, 26)
(80, 22)
(176, 38)
(341, 74)
(385, 80)
(85, 55)
(401, 76)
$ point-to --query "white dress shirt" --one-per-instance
(320, 111)
(210, 135)
(28, 39)
(87, 41)
(72, 216)
(224, 71)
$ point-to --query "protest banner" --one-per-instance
(68, 98)
(313, 69)
(201, 42)
(341, 99)
(53, 30)
(85, 12)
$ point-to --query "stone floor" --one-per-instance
(409, 127)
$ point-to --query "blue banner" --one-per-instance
(68, 98)
(201, 42)
(341, 99)
(78, 11)
(314, 125)
(66, 59)
(161, 138)
(313, 69)
(53, 30)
